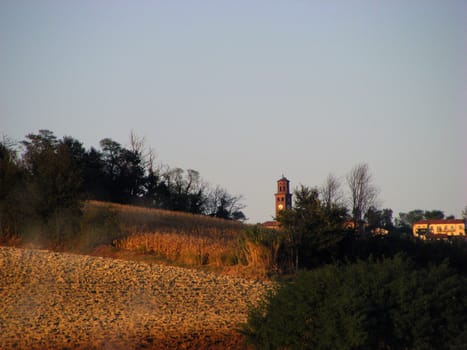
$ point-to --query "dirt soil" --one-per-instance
(52, 300)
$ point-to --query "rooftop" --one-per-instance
(439, 222)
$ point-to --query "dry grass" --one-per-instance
(259, 256)
(144, 234)
(187, 249)
(140, 219)
(189, 240)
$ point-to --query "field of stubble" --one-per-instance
(52, 300)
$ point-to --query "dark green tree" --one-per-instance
(94, 176)
(386, 219)
(376, 218)
(403, 224)
(124, 172)
(387, 304)
(76, 150)
(314, 231)
(433, 215)
(12, 196)
(412, 216)
(53, 185)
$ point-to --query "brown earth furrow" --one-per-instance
(57, 300)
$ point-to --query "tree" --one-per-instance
(376, 218)
(408, 219)
(313, 231)
(363, 194)
(386, 219)
(75, 149)
(223, 205)
(433, 215)
(12, 210)
(373, 304)
(330, 192)
(53, 185)
(124, 172)
(94, 176)
(185, 191)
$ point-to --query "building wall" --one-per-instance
(441, 228)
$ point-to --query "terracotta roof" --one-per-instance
(431, 222)
(270, 224)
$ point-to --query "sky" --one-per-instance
(247, 91)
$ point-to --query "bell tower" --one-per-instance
(283, 195)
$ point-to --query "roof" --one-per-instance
(283, 178)
(270, 224)
(438, 222)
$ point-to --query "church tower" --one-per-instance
(283, 195)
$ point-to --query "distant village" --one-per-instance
(436, 229)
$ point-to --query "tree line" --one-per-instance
(46, 182)
(361, 204)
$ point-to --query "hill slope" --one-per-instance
(58, 300)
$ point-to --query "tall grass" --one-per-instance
(129, 232)
(182, 238)
(188, 249)
(139, 219)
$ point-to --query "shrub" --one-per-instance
(385, 304)
(99, 225)
(261, 247)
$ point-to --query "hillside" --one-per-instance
(60, 300)
(169, 237)
(149, 219)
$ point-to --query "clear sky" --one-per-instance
(245, 91)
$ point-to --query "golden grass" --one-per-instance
(258, 256)
(161, 236)
(181, 238)
(141, 219)
(188, 249)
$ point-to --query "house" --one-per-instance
(439, 229)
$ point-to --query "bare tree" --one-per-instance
(138, 145)
(362, 193)
(223, 205)
(331, 192)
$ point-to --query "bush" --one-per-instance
(261, 247)
(385, 304)
(99, 225)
